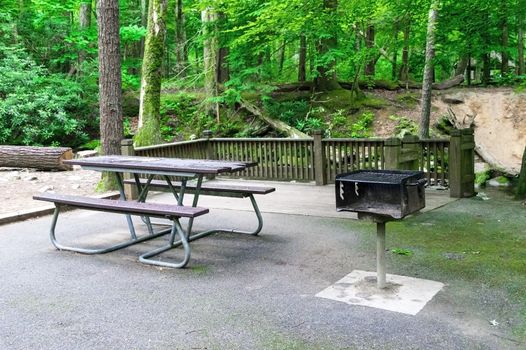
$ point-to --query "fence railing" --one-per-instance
(317, 159)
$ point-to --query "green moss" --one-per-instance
(492, 249)
(502, 180)
(409, 99)
(108, 182)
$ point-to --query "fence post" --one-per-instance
(209, 150)
(128, 150)
(392, 153)
(461, 164)
(410, 153)
(319, 159)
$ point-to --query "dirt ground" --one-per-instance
(18, 186)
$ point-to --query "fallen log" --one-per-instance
(45, 158)
(275, 124)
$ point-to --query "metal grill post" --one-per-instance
(380, 254)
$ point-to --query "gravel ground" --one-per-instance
(18, 186)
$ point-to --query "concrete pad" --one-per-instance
(403, 294)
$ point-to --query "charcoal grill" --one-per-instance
(380, 196)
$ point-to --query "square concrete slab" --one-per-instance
(403, 294)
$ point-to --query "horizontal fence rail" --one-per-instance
(284, 159)
(196, 149)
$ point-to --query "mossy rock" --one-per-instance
(500, 181)
(409, 99)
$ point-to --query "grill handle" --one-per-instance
(418, 183)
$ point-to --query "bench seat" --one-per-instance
(124, 207)
(168, 211)
(213, 188)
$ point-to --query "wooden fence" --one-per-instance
(319, 160)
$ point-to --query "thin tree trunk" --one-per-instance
(84, 24)
(520, 39)
(521, 187)
(149, 131)
(302, 59)
(369, 44)
(144, 22)
(208, 18)
(110, 99)
(282, 57)
(223, 69)
(180, 40)
(404, 69)
(394, 73)
(505, 37)
(428, 72)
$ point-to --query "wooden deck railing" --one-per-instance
(317, 159)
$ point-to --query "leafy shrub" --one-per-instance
(290, 112)
(37, 108)
(362, 127)
(405, 126)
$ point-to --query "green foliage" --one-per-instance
(36, 107)
(482, 177)
(402, 251)
(289, 112)
(362, 127)
(405, 126)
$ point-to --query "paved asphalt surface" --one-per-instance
(238, 292)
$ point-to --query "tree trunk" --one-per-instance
(84, 24)
(180, 40)
(521, 187)
(505, 38)
(394, 68)
(45, 158)
(404, 68)
(326, 75)
(428, 72)
(223, 70)
(144, 22)
(149, 131)
(369, 44)
(462, 65)
(520, 39)
(210, 59)
(282, 56)
(278, 125)
(302, 76)
(110, 90)
(486, 69)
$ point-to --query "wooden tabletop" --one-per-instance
(154, 164)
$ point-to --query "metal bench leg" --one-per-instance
(176, 230)
(52, 236)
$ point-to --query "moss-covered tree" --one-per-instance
(149, 131)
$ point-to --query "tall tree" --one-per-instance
(428, 71)
(521, 4)
(210, 58)
(302, 76)
(369, 44)
(180, 40)
(110, 91)
(504, 67)
(149, 131)
(84, 24)
(110, 84)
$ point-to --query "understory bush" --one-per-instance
(36, 107)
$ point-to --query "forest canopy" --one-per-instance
(49, 66)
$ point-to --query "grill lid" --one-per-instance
(388, 177)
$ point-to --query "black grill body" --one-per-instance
(392, 194)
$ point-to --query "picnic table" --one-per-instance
(165, 168)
